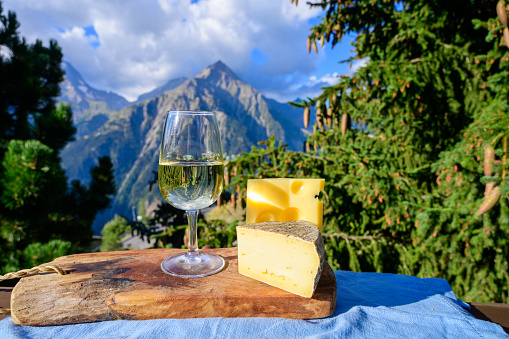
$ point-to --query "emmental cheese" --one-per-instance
(284, 199)
(287, 255)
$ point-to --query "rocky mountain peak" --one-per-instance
(84, 97)
(217, 73)
(71, 74)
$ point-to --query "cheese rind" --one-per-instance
(284, 199)
(287, 255)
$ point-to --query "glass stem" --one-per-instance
(192, 245)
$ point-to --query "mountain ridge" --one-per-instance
(131, 135)
(171, 84)
(79, 93)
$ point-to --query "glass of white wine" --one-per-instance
(191, 178)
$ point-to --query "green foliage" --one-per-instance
(400, 144)
(32, 185)
(175, 222)
(216, 234)
(36, 204)
(36, 253)
(55, 129)
(84, 201)
(173, 236)
(31, 175)
(112, 232)
(29, 86)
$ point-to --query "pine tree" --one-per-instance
(33, 186)
(37, 207)
(401, 143)
(112, 232)
(84, 202)
(31, 74)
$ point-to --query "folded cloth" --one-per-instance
(369, 305)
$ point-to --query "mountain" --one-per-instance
(131, 136)
(174, 83)
(76, 91)
(91, 107)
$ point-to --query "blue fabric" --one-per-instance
(369, 305)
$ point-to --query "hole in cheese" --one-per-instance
(290, 214)
(284, 199)
(267, 215)
(297, 187)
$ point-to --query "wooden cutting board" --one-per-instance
(131, 285)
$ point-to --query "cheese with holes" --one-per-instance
(288, 255)
(284, 199)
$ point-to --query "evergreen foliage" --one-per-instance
(82, 203)
(401, 144)
(40, 215)
(31, 75)
(33, 184)
(112, 232)
(37, 253)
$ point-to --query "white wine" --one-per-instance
(191, 185)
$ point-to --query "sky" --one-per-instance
(131, 47)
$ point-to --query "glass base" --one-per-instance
(192, 265)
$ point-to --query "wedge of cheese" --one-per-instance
(284, 199)
(288, 255)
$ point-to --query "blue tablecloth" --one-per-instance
(369, 305)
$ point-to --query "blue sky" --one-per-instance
(131, 47)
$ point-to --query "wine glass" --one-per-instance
(191, 178)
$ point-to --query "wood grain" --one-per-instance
(5, 301)
(131, 285)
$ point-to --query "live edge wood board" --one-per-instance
(131, 285)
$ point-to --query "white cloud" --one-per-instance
(142, 44)
(309, 88)
(5, 52)
(329, 79)
(359, 64)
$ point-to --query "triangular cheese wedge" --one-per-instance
(288, 255)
